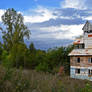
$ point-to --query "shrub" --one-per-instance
(42, 67)
(12, 80)
(87, 88)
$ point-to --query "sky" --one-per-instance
(52, 22)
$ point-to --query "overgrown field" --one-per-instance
(14, 80)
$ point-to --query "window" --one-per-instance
(82, 46)
(79, 46)
(78, 60)
(76, 46)
(90, 60)
(77, 71)
(89, 72)
(90, 31)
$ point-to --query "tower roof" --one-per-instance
(87, 26)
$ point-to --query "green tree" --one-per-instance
(41, 61)
(59, 57)
(1, 51)
(15, 30)
(32, 48)
(18, 55)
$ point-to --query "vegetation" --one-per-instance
(15, 30)
(14, 52)
(39, 68)
(19, 80)
(12, 80)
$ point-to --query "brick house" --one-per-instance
(81, 55)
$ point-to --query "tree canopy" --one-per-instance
(15, 30)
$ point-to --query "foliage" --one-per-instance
(87, 88)
(5, 59)
(20, 55)
(59, 57)
(15, 29)
(16, 57)
(42, 67)
(12, 81)
(32, 48)
(18, 80)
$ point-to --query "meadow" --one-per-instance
(19, 80)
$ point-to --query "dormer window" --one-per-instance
(79, 46)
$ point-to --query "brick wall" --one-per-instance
(83, 61)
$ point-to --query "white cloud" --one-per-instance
(71, 31)
(66, 17)
(42, 15)
(60, 32)
(1, 13)
(77, 4)
(88, 18)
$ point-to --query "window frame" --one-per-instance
(77, 71)
(90, 60)
(90, 72)
(80, 46)
(78, 59)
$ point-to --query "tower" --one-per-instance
(87, 36)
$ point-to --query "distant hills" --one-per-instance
(47, 44)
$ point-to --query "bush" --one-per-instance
(42, 67)
(88, 88)
(12, 80)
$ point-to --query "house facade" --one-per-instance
(81, 55)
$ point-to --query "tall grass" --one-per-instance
(13, 80)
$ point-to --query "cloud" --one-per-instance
(58, 22)
(88, 18)
(77, 4)
(65, 16)
(69, 32)
(41, 14)
(1, 13)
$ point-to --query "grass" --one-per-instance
(31, 81)
(45, 82)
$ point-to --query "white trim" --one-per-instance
(81, 67)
